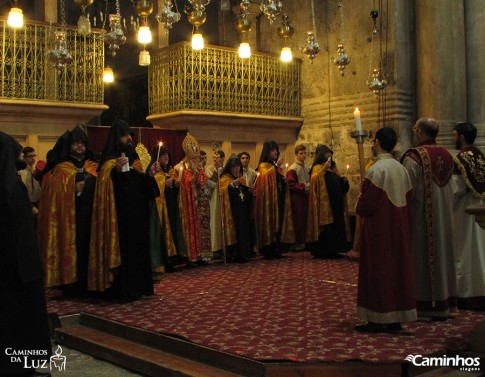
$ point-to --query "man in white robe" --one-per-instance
(430, 168)
(213, 172)
(469, 236)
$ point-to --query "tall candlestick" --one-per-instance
(159, 146)
(358, 124)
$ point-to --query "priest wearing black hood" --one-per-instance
(64, 219)
(237, 202)
(119, 257)
(273, 206)
(327, 231)
(23, 317)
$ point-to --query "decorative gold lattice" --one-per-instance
(217, 79)
(26, 74)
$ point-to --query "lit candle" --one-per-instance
(348, 166)
(358, 124)
(257, 176)
(159, 146)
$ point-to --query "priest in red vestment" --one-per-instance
(386, 295)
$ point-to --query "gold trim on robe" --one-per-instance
(57, 223)
(266, 208)
(319, 210)
(104, 248)
(163, 216)
(230, 237)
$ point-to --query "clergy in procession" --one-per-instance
(237, 201)
(162, 244)
(430, 167)
(194, 205)
(119, 259)
(327, 226)
(248, 173)
(298, 178)
(272, 204)
(385, 294)
(213, 172)
(65, 209)
(469, 237)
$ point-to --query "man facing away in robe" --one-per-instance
(469, 237)
(119, 256)
(385, 295)
(298, 178)
(272, 204)
(430, 168)
(64, 219)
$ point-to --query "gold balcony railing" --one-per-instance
(26, 74)
(216, 79)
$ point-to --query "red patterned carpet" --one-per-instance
(295, 309)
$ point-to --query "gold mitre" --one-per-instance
(191, 146)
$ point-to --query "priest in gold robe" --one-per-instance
(64, 218)
(272, 204)
(119, 257)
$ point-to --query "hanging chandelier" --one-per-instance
(60, 55)
(286, 31)
(15, 17)
(312, 48)
(243, 27)
(271, 8)
(342, 60)
(375, 82)
(167, 16)
(196, 15)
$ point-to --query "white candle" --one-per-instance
(358, 124)
(159, 146)
(257, 176)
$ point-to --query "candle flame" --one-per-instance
(356, 109)
(160, 144)
(348, 166)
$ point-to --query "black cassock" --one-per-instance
(133, 191)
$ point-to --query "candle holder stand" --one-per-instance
(359, 138)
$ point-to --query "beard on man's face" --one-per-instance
(458, 145)
(20, 164)
(125, 147)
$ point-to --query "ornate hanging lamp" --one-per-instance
(15, 17)
(167, 17)
(375, 82)
(271, 8)
(312, 48)
(286, 31)
(243, 27)
(83, 23)
(60, 55)
(115, 37)
(196, 15)
(342, 60)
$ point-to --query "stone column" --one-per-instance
(441, 64)
(46, 10)
(475, 58)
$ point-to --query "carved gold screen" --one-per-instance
(26, 74)
(217, 79)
